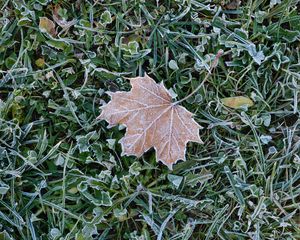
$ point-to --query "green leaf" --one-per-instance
(5, 236)
(173, 65)
(106, 17)
(83, 141)
(3, 188)
(175, 180)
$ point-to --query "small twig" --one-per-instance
(214, 64)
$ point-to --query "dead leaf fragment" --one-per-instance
(47, 26)
(40, 62)
(237, 102)
(152, 120)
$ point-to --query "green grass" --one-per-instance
(61, 171)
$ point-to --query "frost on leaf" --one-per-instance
(237, 102)
(47, 26)
(61, 21)
(152, 120)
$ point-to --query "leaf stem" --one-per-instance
(214, 64)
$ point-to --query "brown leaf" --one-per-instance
(152, 120)
(48, 26)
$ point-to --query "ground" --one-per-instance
(62, 175)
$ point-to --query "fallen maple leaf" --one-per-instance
(152, 120)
